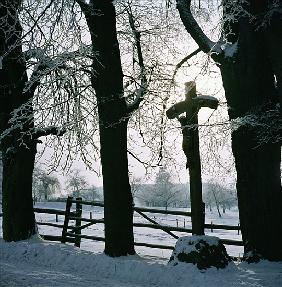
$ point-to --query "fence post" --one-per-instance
(90, 214)
(211, 227)
(57, 220)
(184, 223)
(66, 221)
(176, 222)
(78, 222)
(238, 228)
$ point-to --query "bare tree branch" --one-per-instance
(39, 132)
(192, 27)
(179, 65)
(141, 91)
(39, 17)
(145, 164)
(46, 64)
(83, 6)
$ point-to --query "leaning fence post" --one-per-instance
(66, 221)
(78, 222)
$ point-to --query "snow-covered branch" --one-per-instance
(185, 59)
(46, 64)
(265, 122)
(52, 130)
(140, 92)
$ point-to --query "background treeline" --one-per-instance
(162, 192)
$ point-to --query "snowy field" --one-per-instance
(147, 235)
(38, 263)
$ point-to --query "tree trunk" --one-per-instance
(45, 188)
(216, 203)
(107, 81)
(249, 84)
(259, 195)
(18, 149)
(117, 196)
(18, 215)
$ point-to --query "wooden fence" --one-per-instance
(72, 233)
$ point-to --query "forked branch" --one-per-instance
(193, 28)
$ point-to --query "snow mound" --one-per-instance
(203, 251)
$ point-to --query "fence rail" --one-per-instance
(73, 234)
(221, 226)
(51, 211)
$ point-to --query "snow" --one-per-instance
(229, 49)
(206, 97)
(38, 263)
(186, 244)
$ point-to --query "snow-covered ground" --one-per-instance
(38, 263)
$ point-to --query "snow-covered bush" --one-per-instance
(204, 251)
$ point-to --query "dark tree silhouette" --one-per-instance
(18, 135)
(114, 113)
(18, 157)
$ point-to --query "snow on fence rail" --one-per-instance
(72, 234)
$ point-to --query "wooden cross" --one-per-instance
(189, 125)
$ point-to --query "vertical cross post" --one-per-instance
(189, 124)
(192, 151)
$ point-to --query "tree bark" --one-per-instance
(249, 84)
(118, 210)
(18, 215)
(18, 150)
(107, 81)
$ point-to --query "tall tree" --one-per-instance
(76, 183)
(165, 193)
(18, 135)
(250, 60)
(114, 113)
(18, 159)
(44, 185)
